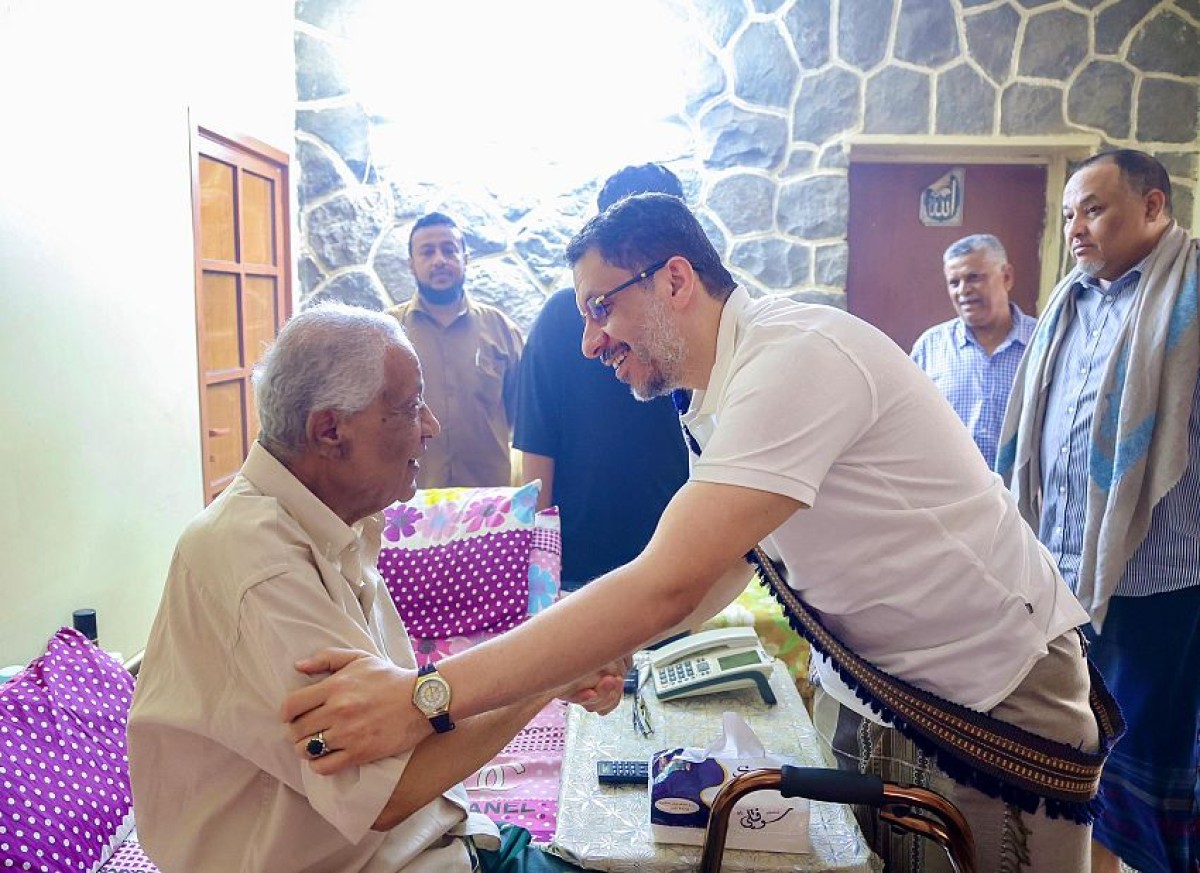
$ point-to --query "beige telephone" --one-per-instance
(711, 661)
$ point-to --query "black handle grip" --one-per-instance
(835, 786)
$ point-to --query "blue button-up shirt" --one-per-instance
(1169, 558)
(976, 384)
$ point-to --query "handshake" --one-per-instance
(362, 710)
(601, 691)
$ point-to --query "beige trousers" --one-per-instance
(1050, 701)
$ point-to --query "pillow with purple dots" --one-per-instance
(65, 801)
(457, 560)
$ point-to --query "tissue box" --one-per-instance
(684, 782)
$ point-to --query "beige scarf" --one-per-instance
(1139, 444)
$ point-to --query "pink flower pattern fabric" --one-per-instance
(430, 651)
(520, 785)
(401, 521)
(545, 560)
(545, 572)
(444, 539)
(440, 521)
(65, 800)
(456, 560)
(486, 512)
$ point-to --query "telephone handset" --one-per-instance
(709, 661)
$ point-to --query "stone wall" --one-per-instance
(783, 83)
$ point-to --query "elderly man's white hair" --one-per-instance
(329, 356)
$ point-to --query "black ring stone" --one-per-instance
(315, 747)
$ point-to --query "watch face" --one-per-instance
(432, 695)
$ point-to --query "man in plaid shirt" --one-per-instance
(973, 358)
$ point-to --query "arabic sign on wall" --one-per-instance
(942, 202)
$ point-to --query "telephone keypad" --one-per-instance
(717, 660)
(674, 674)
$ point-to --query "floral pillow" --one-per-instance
(457, 560)
(65, 801)
(545, 560)
(545, 572)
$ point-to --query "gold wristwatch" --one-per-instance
(431, 695)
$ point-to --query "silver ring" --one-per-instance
(316, 747)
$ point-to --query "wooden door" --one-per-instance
(243, 287)
(895, 278)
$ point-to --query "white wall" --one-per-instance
(100, 444)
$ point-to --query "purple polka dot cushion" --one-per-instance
(456, 560)
(65, 802)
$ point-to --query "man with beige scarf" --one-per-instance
(1101, 445)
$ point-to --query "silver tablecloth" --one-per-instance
(608, 828)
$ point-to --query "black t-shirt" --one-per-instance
(617, 461)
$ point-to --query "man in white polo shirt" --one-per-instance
(820, 439)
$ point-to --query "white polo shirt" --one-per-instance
(911, 550)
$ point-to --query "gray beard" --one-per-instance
(655, 388)
(663, 356)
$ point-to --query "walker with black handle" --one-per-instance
(918, 810)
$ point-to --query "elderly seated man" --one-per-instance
(281, 563)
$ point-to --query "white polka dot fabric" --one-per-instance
(545, 571)
(456, 560)
(64, 776)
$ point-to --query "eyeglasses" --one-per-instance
(638, 708)
(597, 307)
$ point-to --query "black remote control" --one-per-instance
(623, 772)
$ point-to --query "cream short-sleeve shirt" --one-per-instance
(266, 575)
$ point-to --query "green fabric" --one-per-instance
(516, 855)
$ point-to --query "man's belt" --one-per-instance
(992, 756)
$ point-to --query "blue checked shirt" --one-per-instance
(1169, 557)
(976, 384)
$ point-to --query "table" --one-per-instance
(608, 828)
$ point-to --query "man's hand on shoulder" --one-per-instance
(363, 710)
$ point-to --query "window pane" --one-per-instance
(258, 244)
(220, 349)
(216, 211)
(261, 318)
